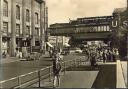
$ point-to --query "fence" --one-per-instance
(36, 76)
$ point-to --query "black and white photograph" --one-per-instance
(63, 44)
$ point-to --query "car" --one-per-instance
(65, 51)
(32, 56)
(78, 51)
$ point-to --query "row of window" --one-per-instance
(5, 12)
(18, 29)
(81, 30)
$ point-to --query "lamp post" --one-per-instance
(0, 46)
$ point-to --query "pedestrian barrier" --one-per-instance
(13, 82)
(28, 79)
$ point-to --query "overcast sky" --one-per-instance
(61, 10)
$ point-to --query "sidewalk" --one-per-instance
(78, 79)
(14, 59)
(73, 79)
(9, 60)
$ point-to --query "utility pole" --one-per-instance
(0, 39)
(127, 46)
(46, 25)
(0, 46)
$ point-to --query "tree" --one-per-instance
(119, 40)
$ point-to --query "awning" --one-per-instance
(49, 45)
(66, 44)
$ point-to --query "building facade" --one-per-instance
(22, 25)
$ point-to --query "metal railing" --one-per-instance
(37, 76)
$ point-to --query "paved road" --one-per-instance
(14, 69)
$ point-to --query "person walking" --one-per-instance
(93, 59)
(109, 56)
(104, 56)
(101, 55)
(87, 54)
(114, 55)
(56, 70)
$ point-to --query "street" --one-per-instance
(14, 69)
(82, 43)
(102, 76)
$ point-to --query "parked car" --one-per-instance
(65, 51)
(78, 50)
(32, 56)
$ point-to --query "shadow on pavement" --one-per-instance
(46, 57)
(84, 68)
(106, 77)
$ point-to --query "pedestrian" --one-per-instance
(117, 53)
(101, 55)
(93, 59)
(50, 52)
(104, 56)
(4, 54)
(56, 70)
(113, 55)
(88, 54)
(20, 54)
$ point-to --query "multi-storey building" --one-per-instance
(22, 25)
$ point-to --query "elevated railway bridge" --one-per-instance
(85, 29)
(102, 28)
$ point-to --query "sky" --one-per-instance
(60, 11)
